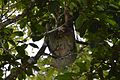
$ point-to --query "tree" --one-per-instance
(96, 21)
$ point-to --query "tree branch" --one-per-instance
(23, 67)
(25, 12)
(48, 32)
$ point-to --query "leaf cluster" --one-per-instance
(96, 21)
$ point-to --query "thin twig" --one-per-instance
(48, 32)
(12, 13)
(7, 10)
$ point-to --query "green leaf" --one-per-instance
(8, 30)
(6, 46)
(29, 72)
(114, 6)
(33, 45)
(112, 22)
(22, 23)
(66, 76)
(83, 3)
(81, 24)
(24, 46)
(20, 50)
(94, 25)
(18, 33)
(49, 74)
(80, 20)
(1, 72)
(5, 2)
(24, 58)
(37, 29)
(22, 76)
(36, 38)
(36, 68)
(6, 57)
(82, 66)
(12, 42)
(53, 6)
(1, 78)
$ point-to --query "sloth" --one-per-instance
(61, 43)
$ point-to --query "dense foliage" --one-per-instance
(96, 21)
